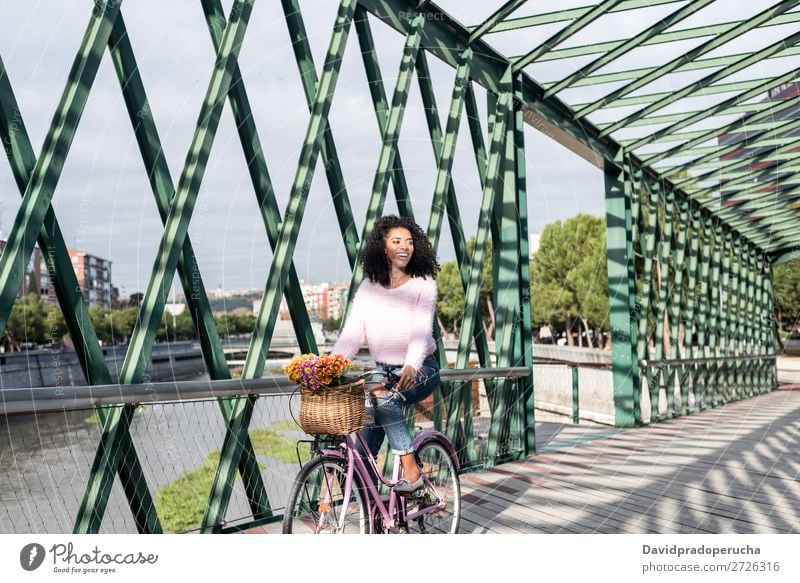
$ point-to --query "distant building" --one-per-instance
(764, 175)
(35, 279)
(94, 278)
(322, 300)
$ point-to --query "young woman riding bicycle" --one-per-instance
(393, 311)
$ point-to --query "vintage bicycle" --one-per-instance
(339, 490)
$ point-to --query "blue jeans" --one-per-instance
(387, 410)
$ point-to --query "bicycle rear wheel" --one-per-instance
(444, 489)
(317, 505)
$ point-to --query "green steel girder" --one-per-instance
(524, 340)
(706, 47)
(151, 150)
(659, 27)
(182, 204)
(45, 174)
(448, 149)
(330, 157)
(471, 314)
(143, 337)
(565, 33)
(54, 250)
(672, 36)
(30, 222)
(571, 14)
(290, 227)
(718, 109)
(687, 67)
(390, 134)
(90, 356)
(771, 50)
(497, 16)
(645, 99)
(621, 292)
(381, 106)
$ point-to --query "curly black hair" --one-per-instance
(373, 253)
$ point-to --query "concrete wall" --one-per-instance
(179, 360)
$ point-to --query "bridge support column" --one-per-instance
(621, 294)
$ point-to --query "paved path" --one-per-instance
(733, 469)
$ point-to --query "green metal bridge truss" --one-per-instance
(700, 202)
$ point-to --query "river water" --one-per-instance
(45, 460)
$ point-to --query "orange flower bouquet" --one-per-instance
(317, 372)
(330, 402)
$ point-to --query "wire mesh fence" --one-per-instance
(46, 460)
(47, 457)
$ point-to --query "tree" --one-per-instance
(331, 324)
(450, 301)
(569, 275)
(786, 291)
(26, 323)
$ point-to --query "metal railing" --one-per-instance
(51, 435)
(678, 387)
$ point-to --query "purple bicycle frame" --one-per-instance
(355, 464)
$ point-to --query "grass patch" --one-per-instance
(181, 503)
(267, 442)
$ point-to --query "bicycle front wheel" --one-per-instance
(443, 490)
(317, 503)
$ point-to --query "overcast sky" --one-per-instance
(104, 202)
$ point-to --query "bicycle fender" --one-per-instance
(430, 434)
(333, 453)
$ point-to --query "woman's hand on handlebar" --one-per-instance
(407, 378)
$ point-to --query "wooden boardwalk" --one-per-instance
(733, 469)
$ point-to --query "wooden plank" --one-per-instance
(729, 469)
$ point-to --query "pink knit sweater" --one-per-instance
(396, 323)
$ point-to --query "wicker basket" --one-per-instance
(333, 410)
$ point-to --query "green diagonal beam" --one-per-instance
(330, 156)
(182, 204)
(687, 67)
(497, 16)
(694, 153)
(381, 106)
(565, 33)
(731, 87)
(290, 227)
(79, 324)
(389, 139)
(471, 303)
(451, 201)
(47, 171)
(448, 149)
(727, 71)
(720, 108)
(571, 14)
(730, 34)
(636, 41)
(670, 37)
(259, 176)
(176, 225)
(22, 159)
